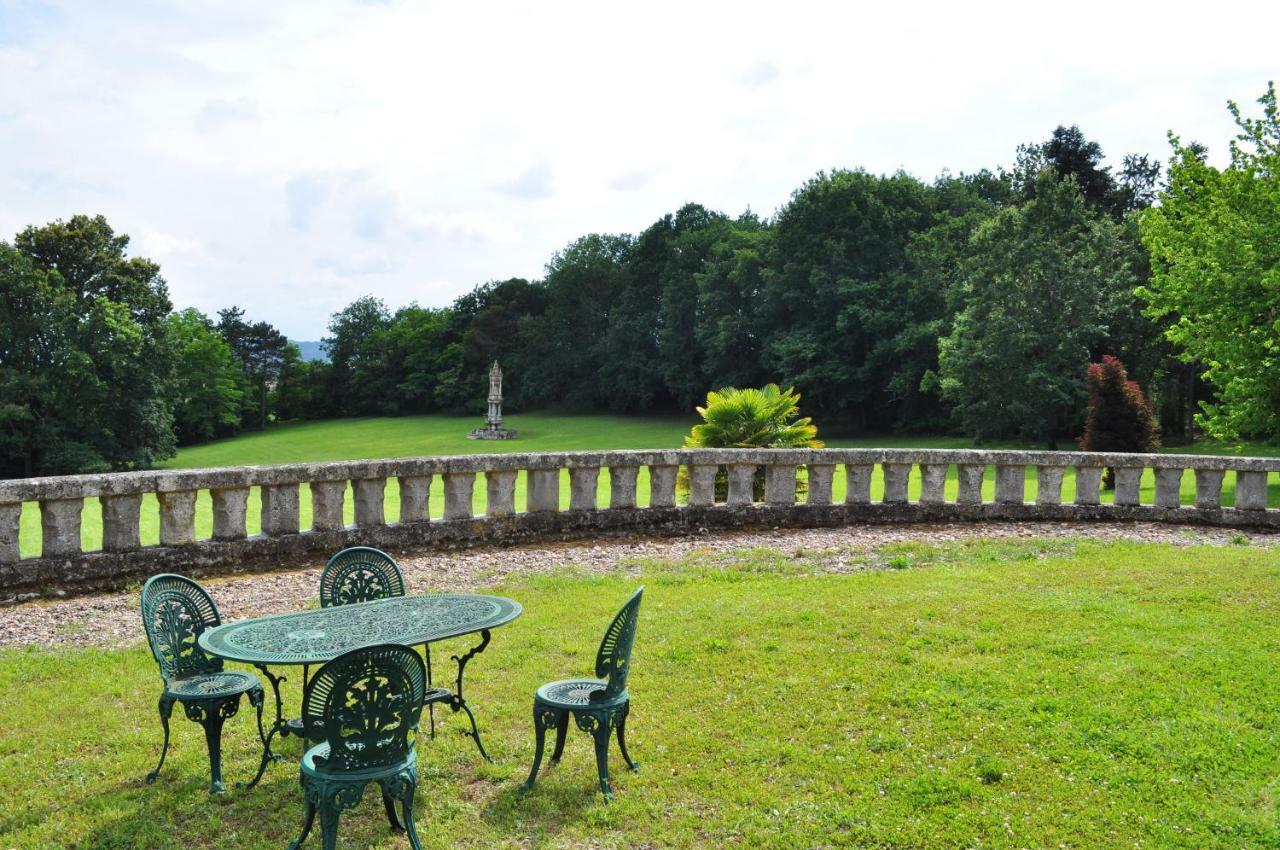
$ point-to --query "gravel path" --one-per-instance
(112, 619)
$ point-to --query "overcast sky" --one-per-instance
(289, 158)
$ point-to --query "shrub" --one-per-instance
(1119, 419)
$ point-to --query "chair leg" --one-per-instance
(561, 728)
(543, 719)
(389, 803)
(622, 737)
(214, 716)
(601, 734)
(431, 707)
(409, 826)
(308, 818)
(166, 711)
(329, 827)
(402, 788)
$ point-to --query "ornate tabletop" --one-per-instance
(313, 637)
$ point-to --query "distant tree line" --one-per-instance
(972, 304)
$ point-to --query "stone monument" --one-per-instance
(493, 429)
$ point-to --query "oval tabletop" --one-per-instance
(313, 637)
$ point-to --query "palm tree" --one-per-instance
(767, 418)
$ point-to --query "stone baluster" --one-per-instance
(662, 486)
(622, 486)
(415, 496)
(702, 484)
(1049, 484)
(458, 490)
(328, 500)
(370, 495)
(60, 526)
(584, 488)
(1088, 485)
(780, 484)
(742, 484)
(280, 509)
(819, 484)
(1209, 488)
(1168, 488)
(896, 476)
(933, 482)
(10, 523)
(177, 517)
(500, 492)
(544, 490)
(969, 483)
(230, 510)
(120, 522)
(1011, 484)
(1128, 485)
(857, 483)
(1251, 490)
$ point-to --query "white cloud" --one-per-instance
(291, 157)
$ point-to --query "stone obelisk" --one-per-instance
(493, 429)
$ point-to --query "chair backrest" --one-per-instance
(359, 574)
(175, 611)
(613, 661)
(366, 704)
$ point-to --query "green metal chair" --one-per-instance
(360, 574)
(598, 706)
(368, 703)
(175, 611)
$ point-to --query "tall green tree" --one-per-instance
(1215, 252)
(207, 384)
(85, 356)
(1036, 286)
(260, 350)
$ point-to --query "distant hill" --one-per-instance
(311, 350)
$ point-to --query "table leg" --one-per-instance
(459, 703)
(279, 726)
(431, 707)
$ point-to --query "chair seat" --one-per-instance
(576, 693)
(321, 750)
(211, 685)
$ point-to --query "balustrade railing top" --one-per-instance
(61, 499)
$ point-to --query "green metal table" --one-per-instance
(317, 636)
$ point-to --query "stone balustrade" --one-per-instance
(916, 485)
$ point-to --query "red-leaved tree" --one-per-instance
(1120, 419)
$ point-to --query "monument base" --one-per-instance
(492, 434)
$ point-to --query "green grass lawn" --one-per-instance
(351, 439)
(989, 694)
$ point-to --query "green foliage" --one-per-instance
(207, 382)
(1215, 252)
(753, 419)
(1038, 283)
(85, 356)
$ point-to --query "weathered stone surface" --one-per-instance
(60, 526)
(459, 488)
(896, 476)
(328, 498)
(543, 492)
(1049, 485)
(780, 484)
(415, 498)
(230, 511)
(177, 517)
(500, 493)
(1251, 491)
(662, 485)
(857, 483)
(933, 482)
(1088, 485)
(969, 483)
(1128, 485)
(702, 485)
(584, 484)
(1011, 484)
(742, 484)
(1209, 488)
(10, 520)
(1169, 488)
(279, 509)
(120, 522)
(819, 489)
(622, 486)
(370, 495)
